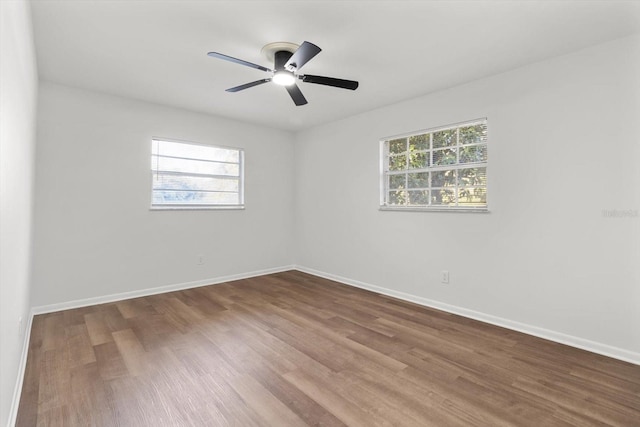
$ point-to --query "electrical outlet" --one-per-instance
(200, 259)
(444, 276)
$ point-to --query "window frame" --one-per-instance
(384, 173)
(174, 207)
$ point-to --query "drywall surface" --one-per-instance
(559, 249)
(95, 234)
(18, 96)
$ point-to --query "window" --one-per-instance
(195, 176)
(437, 169)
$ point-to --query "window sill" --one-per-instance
(422, 209)
(197, 208)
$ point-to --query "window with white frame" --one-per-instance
(443, 168)
(196, 176)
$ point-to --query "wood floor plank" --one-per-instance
(292, 349)
(110, 362)
(306, 408)
(326, 394)
(99, 331)
(133, 353)
(271, 410)
(135, 307)
(79, 345)
(53, 333)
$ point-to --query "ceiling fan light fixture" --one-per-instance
(283, 78)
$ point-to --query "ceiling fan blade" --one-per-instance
(247, 85)
(330, 81)
(305, 52)
(296, 94)
(238, 61)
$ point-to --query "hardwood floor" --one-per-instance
(293, 349)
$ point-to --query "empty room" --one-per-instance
(319, 213)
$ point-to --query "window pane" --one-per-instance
(419, 198)
(194, 166)
(445, 157)
(472, 196)
(194, 151)
(419, 142)
(443, 178)
(473, 134)
(473, 154)
(419, 180)
(398, 146)
(398, 163)
(418, 160)
(397, 197)
(397, 181)
(180, 182)
(444, 138)
(443, 197)
(188, 197)
(472, 176)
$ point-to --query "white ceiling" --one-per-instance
(156, 50)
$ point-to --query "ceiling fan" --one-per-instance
(288, 59)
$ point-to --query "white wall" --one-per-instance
(95, 234)
(18, 94)
(563, 146)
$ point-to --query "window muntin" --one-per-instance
(187, 175)
(437, 169)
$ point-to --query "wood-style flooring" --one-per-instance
(291, 349)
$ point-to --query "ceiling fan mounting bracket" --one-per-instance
(269, 50)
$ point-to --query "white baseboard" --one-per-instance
(50, 308)
(17, 392)
(559, 337)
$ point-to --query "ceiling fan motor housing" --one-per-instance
(280, 58)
